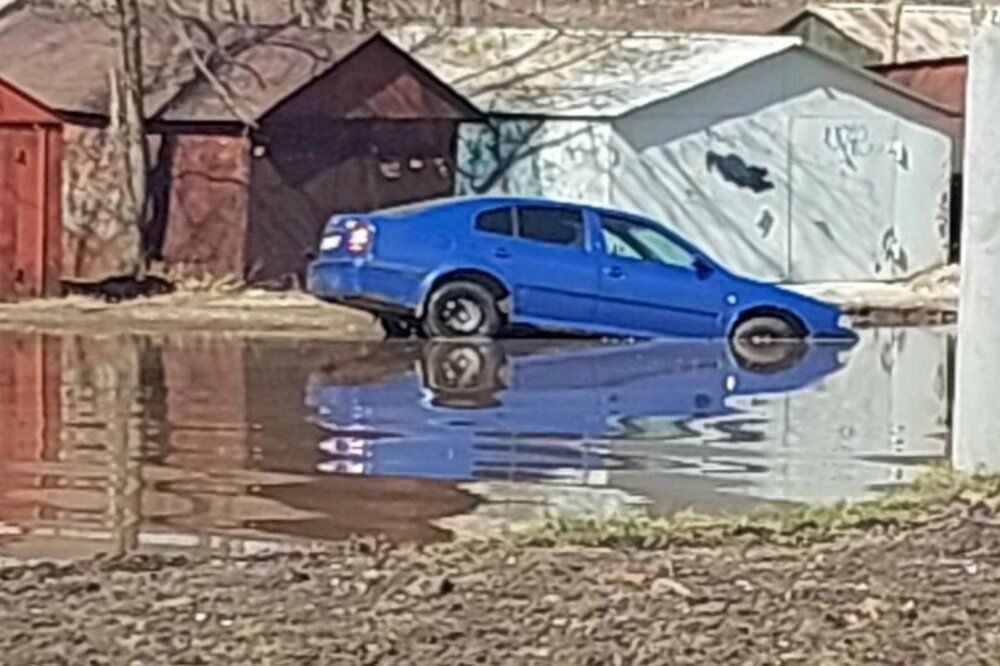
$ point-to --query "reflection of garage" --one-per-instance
(30, 146)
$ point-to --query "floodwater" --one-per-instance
(224, 444)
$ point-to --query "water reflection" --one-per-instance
(539, 412)
(226, 444)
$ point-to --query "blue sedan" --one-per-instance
(476, 267)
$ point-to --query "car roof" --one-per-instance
(480, 202)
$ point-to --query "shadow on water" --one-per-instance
(211, 443)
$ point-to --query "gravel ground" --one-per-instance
(923, 593)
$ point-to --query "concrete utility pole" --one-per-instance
(976, 436)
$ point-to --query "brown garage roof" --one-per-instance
(195, 71)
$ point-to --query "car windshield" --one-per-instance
(624, 238)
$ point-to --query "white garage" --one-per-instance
(783, 164)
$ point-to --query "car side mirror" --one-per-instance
(702, 268)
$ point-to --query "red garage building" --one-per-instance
(30, 191)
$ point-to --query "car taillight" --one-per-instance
(360, 235)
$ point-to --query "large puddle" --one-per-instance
(224, 444)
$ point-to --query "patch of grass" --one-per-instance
(934, 492)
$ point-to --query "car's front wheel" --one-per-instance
(767, 328)
(767, 343)
(462, 309)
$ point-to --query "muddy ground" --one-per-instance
(925, 593)
(256, 311)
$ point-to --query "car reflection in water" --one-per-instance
(535, 411)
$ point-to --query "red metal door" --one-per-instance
(22, 211)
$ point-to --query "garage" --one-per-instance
(30, 191)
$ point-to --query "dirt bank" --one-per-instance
(254, 311)
(926, 592)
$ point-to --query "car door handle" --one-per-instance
(502, 253)
(614, 272)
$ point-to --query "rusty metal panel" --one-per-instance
(52, 243)
(301, 178)
(375, 82)
(942, 81)
(18, 107)
(207, 220)
(26, 211)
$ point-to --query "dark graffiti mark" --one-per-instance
(893, 251)
(765, 223)
(824, 227)
(901, 154)
(734, 170)
(850, 142)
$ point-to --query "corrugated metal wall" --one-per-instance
(209, 204)
(301, 179)
(940, 80)
(30, 190)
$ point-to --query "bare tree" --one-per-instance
(129, 120)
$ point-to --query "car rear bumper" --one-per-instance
(362, 285)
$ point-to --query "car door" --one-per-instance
(649, 282)
(546, 260)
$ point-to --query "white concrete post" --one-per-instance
(976, 437)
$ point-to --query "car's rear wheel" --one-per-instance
(464, 374)
(462, 309)
(767, 343)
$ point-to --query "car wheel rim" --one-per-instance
(462, 315)
(461, 369)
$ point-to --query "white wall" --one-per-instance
(859, 174)
(567, 160)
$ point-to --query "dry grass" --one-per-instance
(935, 491)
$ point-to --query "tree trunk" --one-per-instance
(359, 15)
(131, 119)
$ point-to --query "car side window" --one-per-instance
(557, 226)
(625, 238)
(499, 221)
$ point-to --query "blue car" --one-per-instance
(476, 267)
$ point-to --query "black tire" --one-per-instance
(396, 327)
(463, 375)
(767, 343)
(462, 309)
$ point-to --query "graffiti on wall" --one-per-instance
(735, 170)
(893, 252)
(850, 141)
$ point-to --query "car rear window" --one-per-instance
(559, 226)
(499, 221)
